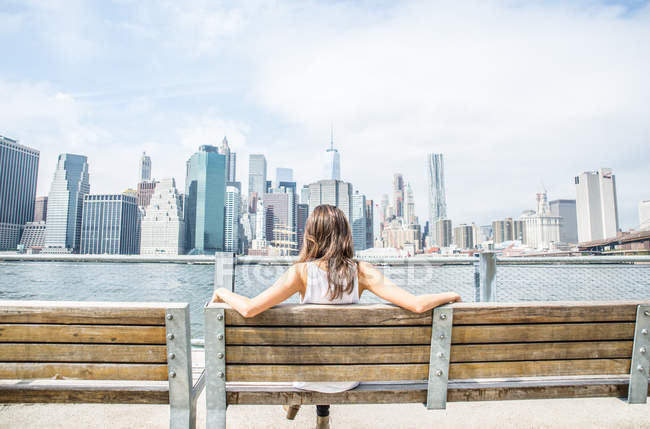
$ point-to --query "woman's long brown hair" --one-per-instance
(328, 237)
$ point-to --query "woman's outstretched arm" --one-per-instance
(370, 278)
(283, 288)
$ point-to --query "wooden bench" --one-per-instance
(460, 352)
(99, 352)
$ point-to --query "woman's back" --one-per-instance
(317, 292)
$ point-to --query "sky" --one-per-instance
(519, 96)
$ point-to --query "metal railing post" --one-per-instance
(215, 368)
(224, 270)
(640, 365)
(488, 270)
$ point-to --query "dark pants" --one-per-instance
(322, 410)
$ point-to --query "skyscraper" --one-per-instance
(205, 194)
(145, 168)
(333, 161)
(398, 194)
(443, 230)
(231, 229)
(383, 213)
(231, 160)
(65, 204)
(566, 210)
(409, 205)
(145, 191)
(358, 221)
(256, 175)
(370, 224)
(163, 227)
(110, 225)
(644, 215)
(596, 205)
(436, 188)
(464, 236)
(541, 228)
(280, 221)
(40, 209)
(18, 176)
(304, 195)
(302, 211)
(334, 192)
(283, 175)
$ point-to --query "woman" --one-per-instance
(326, 273)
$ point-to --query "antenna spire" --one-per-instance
(331, 136)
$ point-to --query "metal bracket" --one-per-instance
(215, 367)
(441, 324)
(179, 364)
(640, 367)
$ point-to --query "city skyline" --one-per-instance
(503, 115)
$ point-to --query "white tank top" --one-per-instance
(316, 292)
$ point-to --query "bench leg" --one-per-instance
(439, 359)
(291, 411)
(215, 368)
(182, 412)
(640, 367)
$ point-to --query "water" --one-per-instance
(194, 283)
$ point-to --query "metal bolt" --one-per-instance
(220, 337)
(644, 331)
(221, 374)
(220, 355)
(639, 368)
(441, 355)
(172, 356)
(439, 372)
(643, 349)
(219, 316)
(172, 374)
(442, 336)
(646, 313)
(443, 317)
(170, 316)
(170, 336)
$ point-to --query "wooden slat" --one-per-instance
(89, 394)
(545, 312)
(327, 354)
(326, 372)
(417, 393)
(330, 315)
(96, 313)
(328, 336)
(541, 351)
(542, 332)
(44, 352)
(84, 371)
(115, 334)
(539, 368)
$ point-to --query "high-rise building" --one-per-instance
(436, 188)
(163, 227)
(18, 177)
(259, 244)
(333, 192)
(509, 229)
(566, 210)
(644, 215)
(383, 213)
(145, 168)
(144, 192)
(65, 204)
(231, 230)
(541, 228)
(596, 205)
(280, 221)
(110, 225)
(398, 194)
(409, 205)
(333, 161)
(301, 220)
(464, 236)
(256, 175)
(40, 209)
(33, 236)
(304, 195)
(400, 236)
(370, 224)
(443, 232)
(283, 175)
(358, 221)
(231, 160)
(205, 194)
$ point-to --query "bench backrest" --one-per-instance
(92, 341)
(387, 343)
